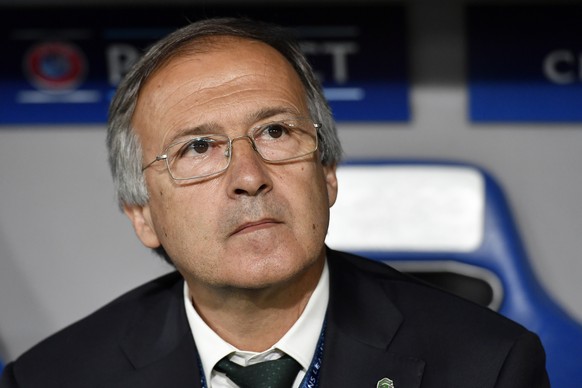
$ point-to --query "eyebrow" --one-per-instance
(268, 112)
(202, 129)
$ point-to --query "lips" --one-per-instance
(253, 226)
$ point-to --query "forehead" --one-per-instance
(222, 56)
(226, 76)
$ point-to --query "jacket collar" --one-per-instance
(362, 324)
(159, 345)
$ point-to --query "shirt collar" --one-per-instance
(299, 342)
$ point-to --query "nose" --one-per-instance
(248, 174)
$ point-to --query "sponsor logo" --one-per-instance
(55, 66)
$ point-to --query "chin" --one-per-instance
(271, 274)
(262, 280)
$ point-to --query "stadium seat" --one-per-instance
(450, 224)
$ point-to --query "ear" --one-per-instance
(141, 220)
(331, 182)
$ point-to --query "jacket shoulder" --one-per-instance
(83, 349)
(413, 296)
(478, 346)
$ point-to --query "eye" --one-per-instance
(275, 131)
(194, 147)
(199, 146)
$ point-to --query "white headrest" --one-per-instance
(408, 208)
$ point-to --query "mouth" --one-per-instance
(249, 227)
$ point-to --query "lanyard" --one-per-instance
(311, 379)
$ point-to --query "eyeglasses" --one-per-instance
(206, 155)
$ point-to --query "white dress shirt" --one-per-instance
(299, 342)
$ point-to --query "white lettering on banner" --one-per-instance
(339, 52)
(120, 58)
(562, 67)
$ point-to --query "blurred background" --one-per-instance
(495, 84)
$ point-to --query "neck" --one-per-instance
(254, 319)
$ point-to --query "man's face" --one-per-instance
(257, 224)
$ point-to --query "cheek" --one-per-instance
(190, 209)
(313, 203)
(167, 212)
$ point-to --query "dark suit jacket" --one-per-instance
(381, 323)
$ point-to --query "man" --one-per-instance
(223, 152)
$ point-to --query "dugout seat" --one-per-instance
(451, 225)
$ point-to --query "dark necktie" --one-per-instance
(268, 374)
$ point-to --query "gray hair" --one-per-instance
(125, 152)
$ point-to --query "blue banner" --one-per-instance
(525, 63)
(61, 65)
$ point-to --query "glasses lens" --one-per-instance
(285, 140)
(198, 157)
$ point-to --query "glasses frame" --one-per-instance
(165, 157)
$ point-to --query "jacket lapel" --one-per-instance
(362, 323)
(160, 346)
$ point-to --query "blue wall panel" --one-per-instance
(525, 63)
(65, 63)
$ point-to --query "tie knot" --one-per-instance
(278, 373)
